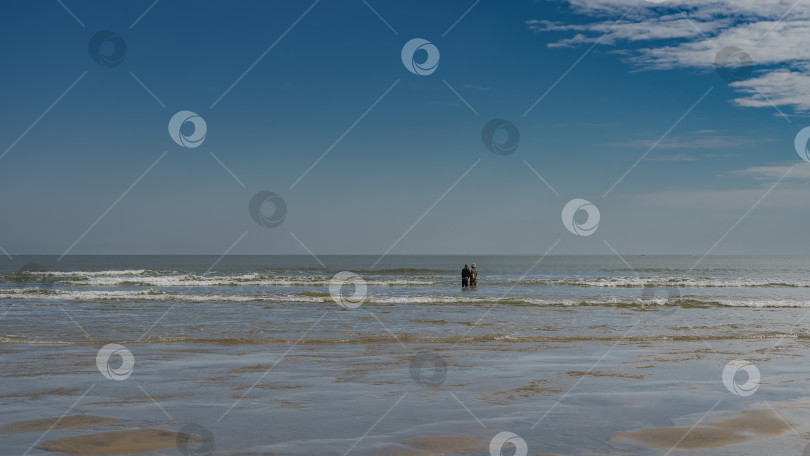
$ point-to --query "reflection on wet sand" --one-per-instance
(745, 426)
(117, 442)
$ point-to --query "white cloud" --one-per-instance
(778, 87)
(690, 34)
(791, 193)
(799, 170)
(701, 8)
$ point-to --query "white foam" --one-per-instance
(88, 295)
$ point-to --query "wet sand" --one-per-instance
(745, 426)
(606, 392)
(322, 400)
(117, 442)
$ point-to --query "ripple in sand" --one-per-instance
(746, 426)
(58, 423)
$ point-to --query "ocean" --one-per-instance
(288, 355)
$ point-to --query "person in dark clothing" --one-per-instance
(465, 276)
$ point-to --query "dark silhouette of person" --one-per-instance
(465, 276)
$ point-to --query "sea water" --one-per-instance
(563, 351)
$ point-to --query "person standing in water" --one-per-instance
(465, 277)
(473, 276)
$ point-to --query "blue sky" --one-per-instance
(386, 176)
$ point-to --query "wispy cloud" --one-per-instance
(694, 141)
(791, 193)
(690, 33)
(801, 171)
